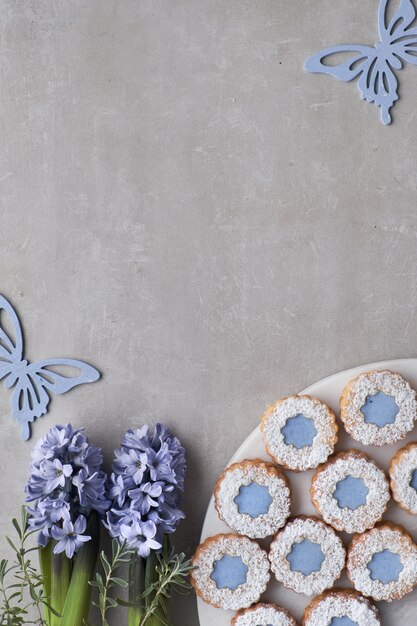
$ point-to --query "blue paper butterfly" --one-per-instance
(377, 82)
(34, 381)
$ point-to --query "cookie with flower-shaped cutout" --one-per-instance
(341, 607)
(230, 571)
(403, 478)
(299, 432)
(382, 562)
(263, 615)
(307, 556)
(350, 491)
(378, 408)
(253, 498)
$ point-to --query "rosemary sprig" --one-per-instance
(120, 556)
(172, 576)
(25, 593)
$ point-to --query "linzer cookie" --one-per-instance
(231, 572)
(307, 556)
(263, 615)
(382, 563)
(299, 432)
(403, 477)
(350, 491)
(378, 408)
(341, 607)
(253, 498)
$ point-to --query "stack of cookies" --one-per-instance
(350, 492)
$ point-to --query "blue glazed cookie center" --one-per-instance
(413, 481)
(385, 566)
(229, 572)
(253, 500)
(380, 409)
(343, 621)
(299, 431)
(305, 557)
(351, 493)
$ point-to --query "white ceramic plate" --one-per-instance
(400, 613)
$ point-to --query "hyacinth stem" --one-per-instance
(45, 558)
(61, 575)
(77, 604)
(136, 589)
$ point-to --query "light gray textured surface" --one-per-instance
(185, 208)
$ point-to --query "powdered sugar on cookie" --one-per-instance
(401, 472)
(369, 384)
(339, 604)
(350, 465)
(261, 474)
(212, 551)
(316, 532)
(264, 615)
(385, 537)
(307, 456)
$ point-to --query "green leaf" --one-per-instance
(119, 581)
(17, 527)
(10, 542)
(122, 602)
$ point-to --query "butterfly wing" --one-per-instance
(379, 84)
(29, 401)
(11, 348)
(399, 39)
(400, 24)
(60, 383)
(30, 397)
(347, 70)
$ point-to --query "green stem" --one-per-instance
(77, 604)
(45, 557)
(60, 581)
(136, 588)
(154, 613)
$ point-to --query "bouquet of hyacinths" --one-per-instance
(145, 489)
(67, 495)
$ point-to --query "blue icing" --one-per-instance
(380, 409)
(305, 557)
(299, 431)
(229, 572)
(351, 493)
(253, 499)
(385, 566)
(343, 621)
(413, 481)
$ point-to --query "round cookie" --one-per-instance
(263, 615)
(403, 478)
(350, 492)
(378, 408)
(231, 572)
(253, 498)
(307, 556)
(299, 432)
(382, 562)
(341, 607)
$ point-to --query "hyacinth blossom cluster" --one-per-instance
(146, 488)
(66, 484)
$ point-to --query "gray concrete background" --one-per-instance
(184, 207)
